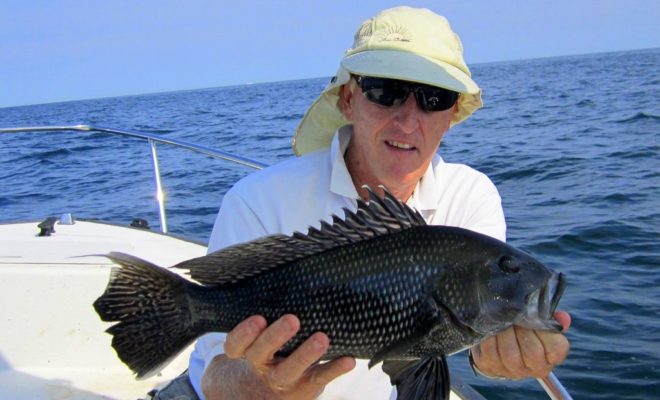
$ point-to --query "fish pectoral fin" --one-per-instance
(396, 350)
(423, 379)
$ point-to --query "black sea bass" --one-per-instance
(380, 283)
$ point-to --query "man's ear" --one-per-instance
(345, 100)
(455, 109)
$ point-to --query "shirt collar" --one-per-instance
(340, 180)
(425, 196)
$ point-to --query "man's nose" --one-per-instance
(406, 116)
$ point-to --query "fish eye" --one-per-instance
(508, 265)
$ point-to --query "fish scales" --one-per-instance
(380, 283)
(362, 295)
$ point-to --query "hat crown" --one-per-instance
(414, 30)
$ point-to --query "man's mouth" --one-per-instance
(399, 145)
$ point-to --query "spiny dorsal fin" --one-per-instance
(379, 216)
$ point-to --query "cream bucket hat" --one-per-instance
(410, 44)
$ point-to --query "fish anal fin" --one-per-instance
(423, 379)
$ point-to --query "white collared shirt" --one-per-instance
(300, 192)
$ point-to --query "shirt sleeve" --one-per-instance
(467, 199)
(236, 223)
(485, 213)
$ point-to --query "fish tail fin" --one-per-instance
(425, 379)
(151, 305)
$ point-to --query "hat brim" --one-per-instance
(409, 66)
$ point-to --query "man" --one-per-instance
(379, 122)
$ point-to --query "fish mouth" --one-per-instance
(550, 295)
(542, 303)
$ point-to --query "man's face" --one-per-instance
(391, 146)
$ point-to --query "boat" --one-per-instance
(53, 345)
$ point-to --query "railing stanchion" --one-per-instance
(160, 195)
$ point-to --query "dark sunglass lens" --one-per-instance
(398, 91)
(386, 92)
(379, 96)
(392, 92)
(431, 98)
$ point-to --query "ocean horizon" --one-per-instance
(173, 91)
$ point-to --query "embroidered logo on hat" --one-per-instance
(396, 34)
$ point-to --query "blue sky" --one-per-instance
(62, 50)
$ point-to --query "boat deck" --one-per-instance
(63, 351)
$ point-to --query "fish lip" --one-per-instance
(550, 295)
(559, 291)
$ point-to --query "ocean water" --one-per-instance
(572, 143)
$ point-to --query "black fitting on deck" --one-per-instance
(47, 226)
(140, 223)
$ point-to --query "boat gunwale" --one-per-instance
(110, 223)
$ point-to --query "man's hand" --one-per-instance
(517, 353)
(250, 370)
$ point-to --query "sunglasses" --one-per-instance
(393, 92)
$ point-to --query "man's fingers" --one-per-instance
(508, 348)
(297, 376)
(487, 357)
(555, 346)
(325, 373)
(288, 372)
(518, 352)
(563, 318)
(243, 335)
(533, 353)
(263, 349)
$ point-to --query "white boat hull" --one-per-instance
(53, 344)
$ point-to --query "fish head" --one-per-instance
(516, 289)
(495, 286)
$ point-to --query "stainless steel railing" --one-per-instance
(152, 140)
